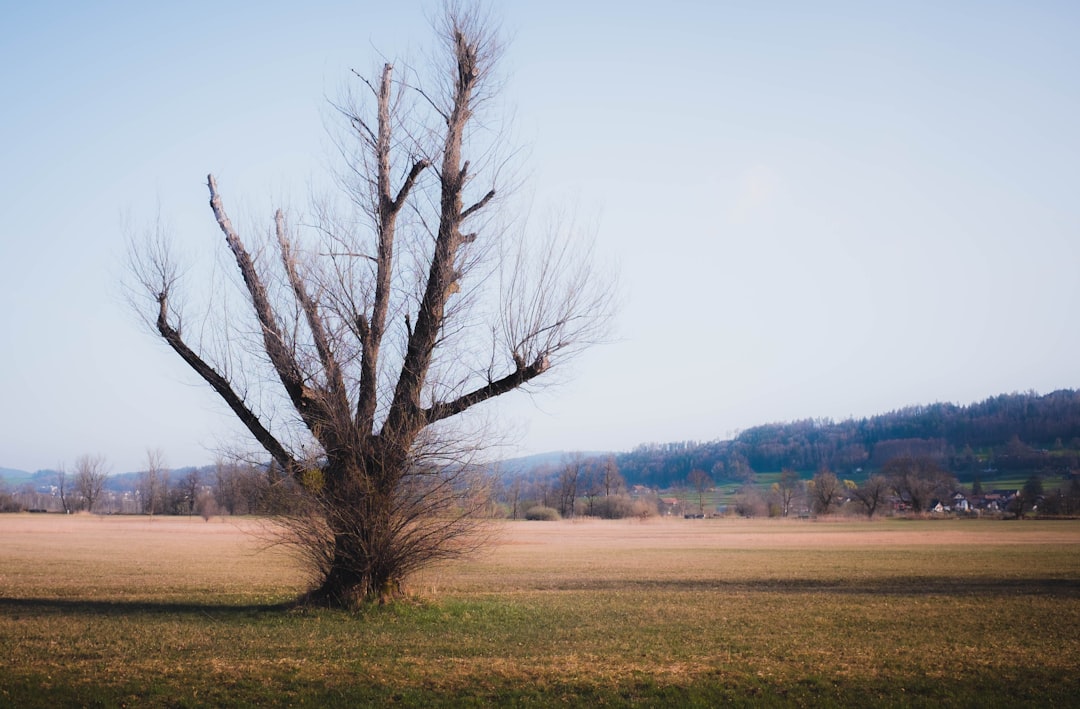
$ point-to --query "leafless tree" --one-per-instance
(786, 490)
(701, 482)
(872, 493)
(242, 488)
(1027, 498)
(153, 482)
(377, 329)
(918, 480)
(185, 493)
(611, 480)
(90, 476)
(9, 502)
(63, 488)
(826, 492)
(513, 494)
(30, 497)
(589, 486)
(228, 487)
(570, 477)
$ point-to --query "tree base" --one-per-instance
(352, 596)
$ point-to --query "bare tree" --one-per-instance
(570, 476)
(90, 476)
(786, 490)
(610, 478)
(590, 486)
(826, 492)
(377, 329)
(244, 488)
(63, 488)
(917, 481)
(1027, 498)
(701, 482)
(153, 482)
(872, 493)
(184, 494)
(513, 495)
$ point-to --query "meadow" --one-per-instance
(128, 611)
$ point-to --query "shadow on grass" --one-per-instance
(141, 608)
(906, 586)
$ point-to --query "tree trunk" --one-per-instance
(357, 576)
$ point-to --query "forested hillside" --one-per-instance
(1011, 432)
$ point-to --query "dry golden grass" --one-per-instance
(121, 558)
(180, 612)
(594, 553)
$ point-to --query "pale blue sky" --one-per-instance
(818, 209)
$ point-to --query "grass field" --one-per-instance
(110, 611)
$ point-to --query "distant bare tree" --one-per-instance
(918, 481)
(32, 498)
(369, 339)
(786, 490)
(589, 486)
(826, 492)
(153, 482)
(701, 482)
(63, 488)
(542, 488)
(228, 486)
(611, 479)
(513, 495)
(186, 493)
(569, 478)
(1026, 499)
(872, 493)
(241, 488)
(90, 477)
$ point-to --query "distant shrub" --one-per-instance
(8, 503)
(644, 508)
(542, 514)
(206, 506)
(622, 506)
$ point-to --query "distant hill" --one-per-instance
(526, 465)
(117, 482)
(1016, 433)
(13, 477)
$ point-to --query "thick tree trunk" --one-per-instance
(357, 576)
(361, 562)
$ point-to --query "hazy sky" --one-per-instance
(818, 209)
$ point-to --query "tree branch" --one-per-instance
(521, 375)
(478, 206)
(310, 410)
(335, 383)
(224, 389)
(403, 193)
(405, 416)
(388, 208)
